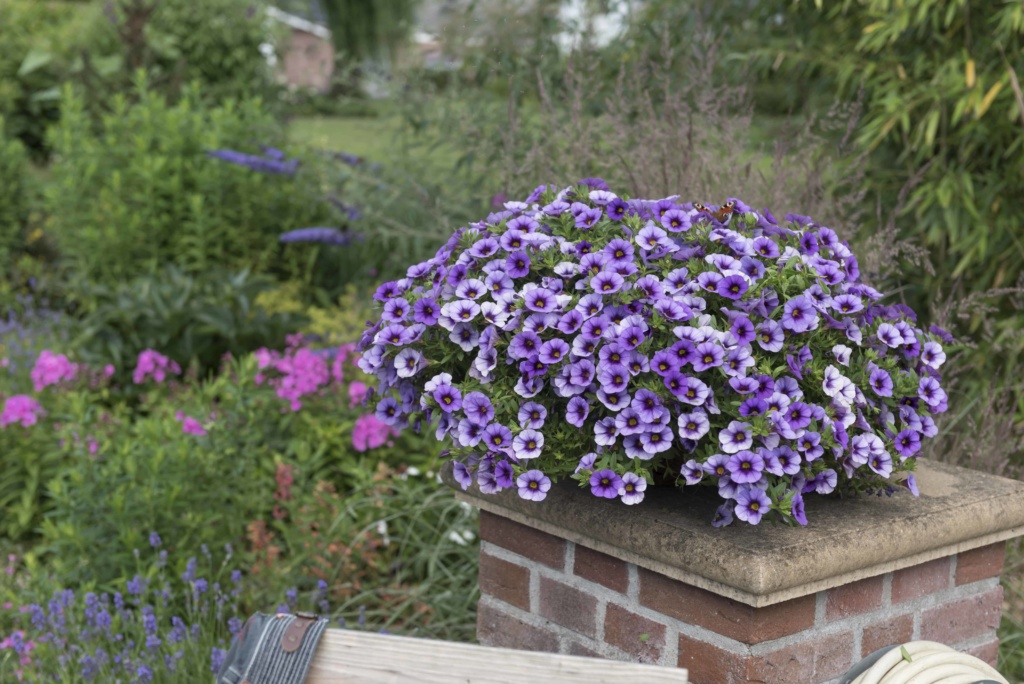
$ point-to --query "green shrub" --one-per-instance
(143, 192)
(13, 195)
(195, 320)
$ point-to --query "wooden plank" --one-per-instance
(350, 657)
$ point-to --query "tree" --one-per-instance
(370, 29)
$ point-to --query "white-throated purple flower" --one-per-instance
(533, 485)
(613, 401)
(751, 505)
(461, 311)
(736, 437)
(576, 411)
(665, 362)
(538, 322)
(737, 361)
(628, 422)
(448, 398)
(602, 197)
(470, 433)
(497, 437)
(586, 219)
(528, 444)
(590, 305)
(484, 248)
(693, 472)
(582, 373)
(715, 465)
(770, 336)
(553, 351)
(765, 247)
(613, 378)
(517, 264)
(908, 443)
(732, 286)
(408, 363)
(743, 385)
(395, 334)
(743, 330)
(847, 304)
(632, 337)
(752, 406)
(396, 310)
(478, 408)
(881, 382)
(618, 250)
(604, 432)
(833, 381)
(675, 220)
(632, 489)
(388, 411)
(471, 288)
(465, 335)
(799, 315)
(693, 425)
(889, 335)
(881, 464)
(540, 300)
(931, 393)
(606, 282)
(605, 484)
(842, 354)
(524, 345)
(426, 311)
(656, 440)
(693, 391)
(809, 444)
(586, 463)
(646, 403)
(570, 322)
(594, 329)
(707, 355)
(616, 209)
(745, 467)
(932, 355)
(532, 415)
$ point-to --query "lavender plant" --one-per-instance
(584, 335)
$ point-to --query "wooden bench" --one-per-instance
(350, 657)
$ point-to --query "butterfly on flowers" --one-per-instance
(722, 214)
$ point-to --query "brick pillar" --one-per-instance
(656, 583)
(544, 593)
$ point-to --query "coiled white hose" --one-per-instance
(929, 663)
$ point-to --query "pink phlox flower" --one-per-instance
(20, 408)
(52, 369)
(153, 364)
(189, 425)
(303, 372)
(370, 433)
(356, 393)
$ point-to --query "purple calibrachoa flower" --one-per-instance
(533, 485)
(751, 505)
(749, 347)
(605, 484)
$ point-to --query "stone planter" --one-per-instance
(655, 583)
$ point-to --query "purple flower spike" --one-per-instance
(605, 484)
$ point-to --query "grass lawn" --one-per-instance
(374, 138)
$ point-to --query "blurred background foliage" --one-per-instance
(157, 174)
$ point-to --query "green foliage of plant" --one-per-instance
(142, 192)
(943, 117)
(13, 195)
(194, 320)
(147, 473)
(39, 42)
(370, 29)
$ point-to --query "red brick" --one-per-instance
(814, 660)
(634, 634)
(526, 541)
(965, 619)
(708, 664)
(723, 615)
(505, 581)
(988, 651)
(854, 599)
(495, 627)
(892, 631)
(978, 564)
(578, 649)
(568, 606)
(920, 580)
(601, 568)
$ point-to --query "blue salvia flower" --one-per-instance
(329, 236)
(256, 163)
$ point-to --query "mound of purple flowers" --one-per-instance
(581, 334)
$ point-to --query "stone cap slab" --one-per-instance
(846, 539)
